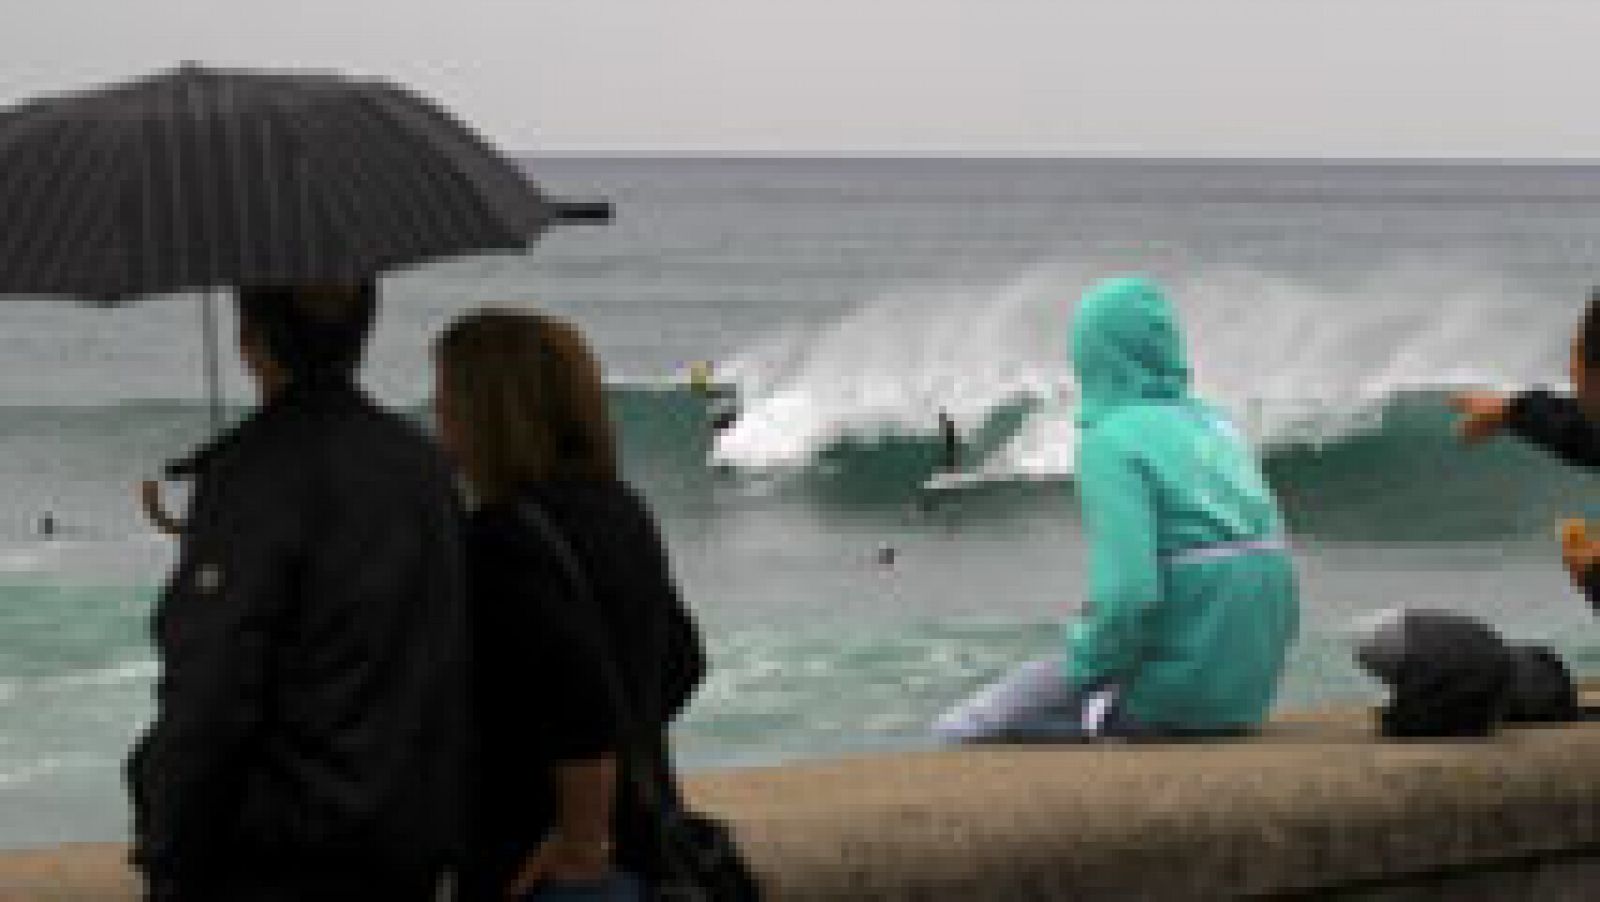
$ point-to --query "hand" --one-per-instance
(1482, 415)
(1578, 551)
(150, 500)
(564, 859)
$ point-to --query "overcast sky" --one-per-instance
(1365, 78)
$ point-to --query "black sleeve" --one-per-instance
(1591, 589)
(214, 625)
(684, 662)
(1557, 424)
(573, 690)
(681, 650)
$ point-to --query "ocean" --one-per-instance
(1330, 307)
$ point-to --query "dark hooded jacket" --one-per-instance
(313, 641)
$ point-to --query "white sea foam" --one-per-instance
(1293, 362)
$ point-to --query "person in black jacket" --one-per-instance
(582, 655)
(1568, 427)
(308, 743)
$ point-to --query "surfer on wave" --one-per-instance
(949, 443)
(722, 403)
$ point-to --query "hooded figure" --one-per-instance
(1192, 601)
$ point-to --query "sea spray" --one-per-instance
(1294, 363)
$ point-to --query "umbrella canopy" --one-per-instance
(200, 177)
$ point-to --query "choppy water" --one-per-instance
(1330, 307)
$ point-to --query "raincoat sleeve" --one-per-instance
(1124, 577)
(214, 629)
(1558, 424)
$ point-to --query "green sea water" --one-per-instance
(1331, 308)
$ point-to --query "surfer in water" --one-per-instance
(722, 405)
(949, 443)
(47, 526)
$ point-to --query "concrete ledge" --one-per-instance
(1316, 805)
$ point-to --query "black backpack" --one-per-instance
(1542, 689)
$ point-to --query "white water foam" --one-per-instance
(142, 558)
(120, 674)
(1293, 362)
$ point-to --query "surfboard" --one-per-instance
(951, 480)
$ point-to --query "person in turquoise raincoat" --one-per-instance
(1193, 601)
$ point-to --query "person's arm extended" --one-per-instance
(1124, 572)
(216, 619)
(1558, 424)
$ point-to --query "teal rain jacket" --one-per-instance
(1195, 638)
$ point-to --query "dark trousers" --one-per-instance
(292, 885)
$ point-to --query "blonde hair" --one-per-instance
(528, 394)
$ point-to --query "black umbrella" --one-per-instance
(197, 177)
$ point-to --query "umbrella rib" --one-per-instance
(445, 186)
(292, 123)
(448, 200)
(380, 181)
(49, 220)
(176, 188)
(467, 154)
(449, 156)
(92, 217)
(301, 220)
(423, 203)
(276, 222)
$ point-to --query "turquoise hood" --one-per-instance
(1126, 347)
(1189, 640)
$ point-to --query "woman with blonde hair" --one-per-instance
(583, 652)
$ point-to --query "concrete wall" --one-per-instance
(1318, 808)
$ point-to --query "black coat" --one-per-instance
(1559, 425)
(561, 672)
(313, 641)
